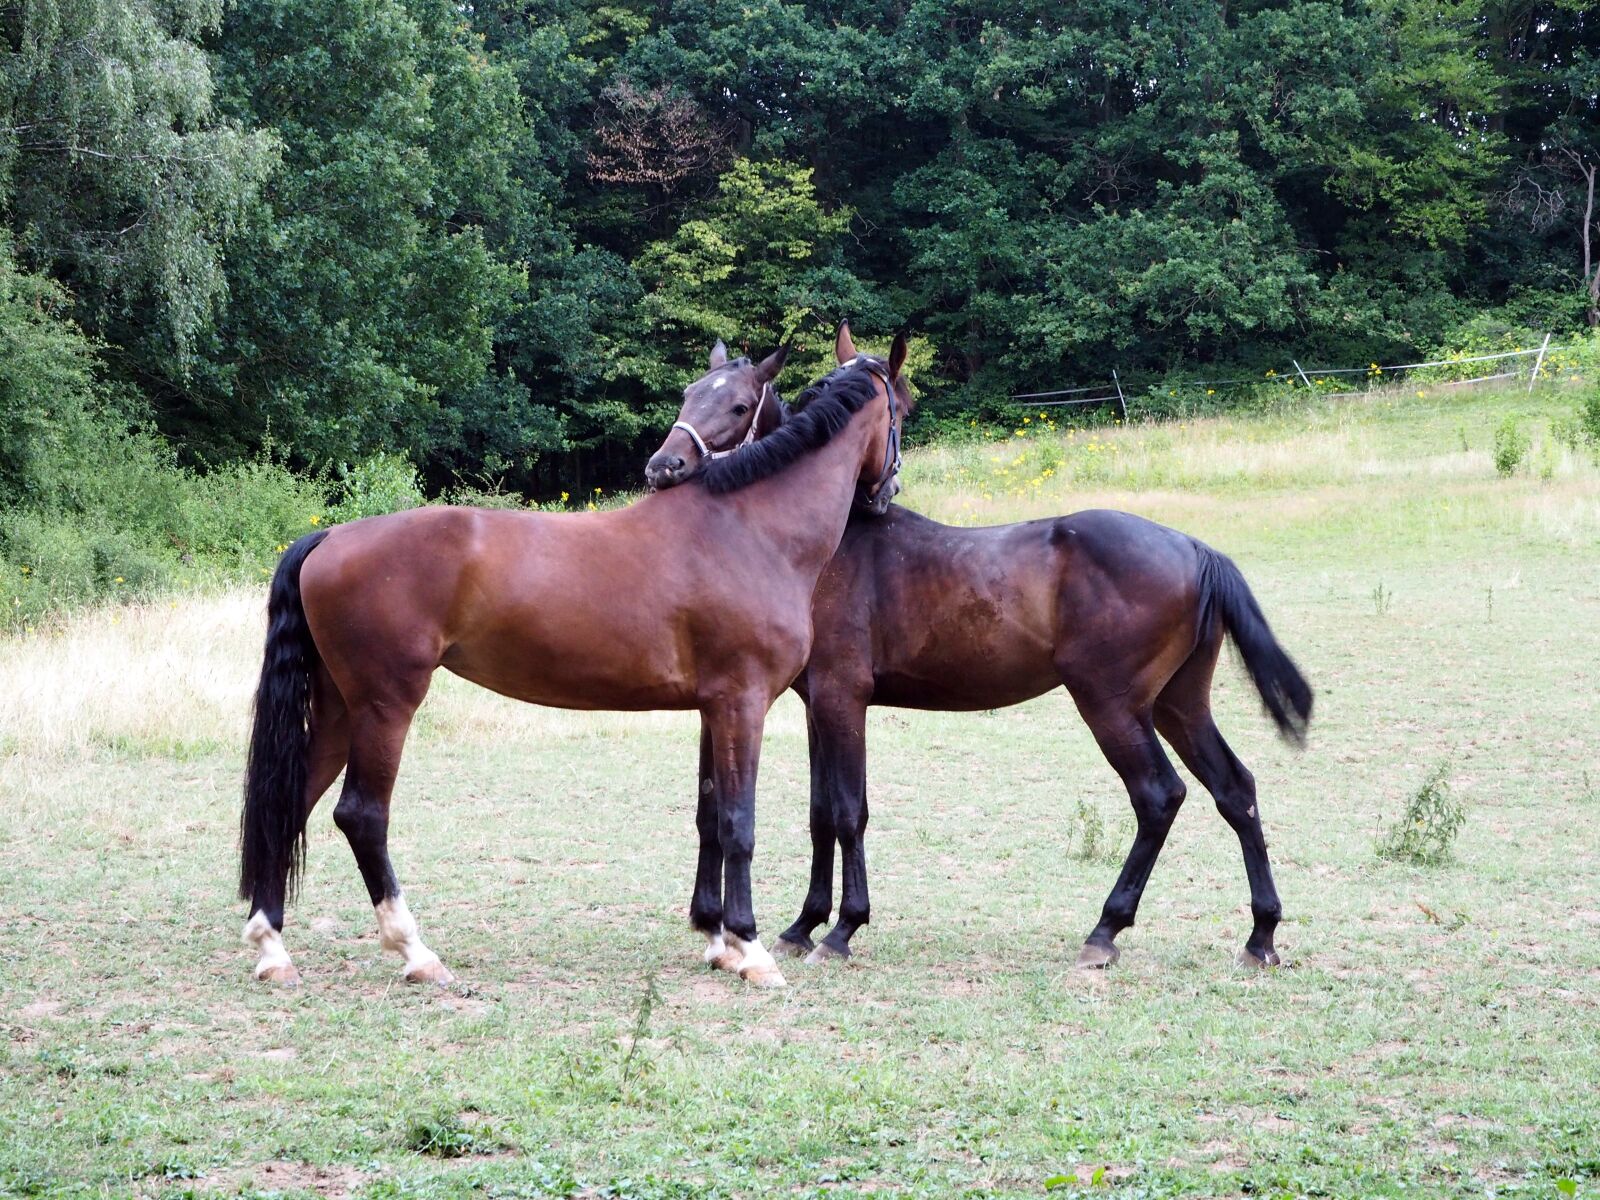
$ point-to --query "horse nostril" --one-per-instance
(675, 465)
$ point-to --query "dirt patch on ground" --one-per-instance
(331, 1183)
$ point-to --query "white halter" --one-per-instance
(706, 452)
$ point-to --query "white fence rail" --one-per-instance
(1112, 392)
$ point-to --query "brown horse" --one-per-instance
(696, 598)
(1128, 615)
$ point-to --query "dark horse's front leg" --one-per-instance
(735, 727)
(795, 941)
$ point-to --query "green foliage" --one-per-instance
(50, 399)
(115, 170)
(1088, 838)
(498, 240)
(447, 1135)
(1588, 415)
(1511, 444)
(384, 483)
(1426, 831)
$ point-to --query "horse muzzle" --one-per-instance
(664, 471)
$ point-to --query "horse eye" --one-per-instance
(739, 410)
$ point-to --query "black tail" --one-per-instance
(272, 838)
(1283, 689)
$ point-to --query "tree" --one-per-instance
(117, 176)
(366, 288)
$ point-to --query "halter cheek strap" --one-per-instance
(891, 451)
(706, 452)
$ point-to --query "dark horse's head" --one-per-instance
(723, 413)
(731, 405)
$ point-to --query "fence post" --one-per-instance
(1301, 369)
(1537, 363)
(1122, 401)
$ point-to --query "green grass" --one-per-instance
(1438, 1031)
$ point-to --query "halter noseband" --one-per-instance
(706, 452)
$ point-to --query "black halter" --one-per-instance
(891, 452)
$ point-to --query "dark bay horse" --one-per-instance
(1129, 616)
(694, 598)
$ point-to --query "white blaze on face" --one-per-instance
(397, 930)
(268, 942)
(719, 382)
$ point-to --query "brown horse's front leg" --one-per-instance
(735, 727)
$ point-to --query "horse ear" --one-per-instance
(844, 349)
(719, 354)
(897, 356)
(767, 369)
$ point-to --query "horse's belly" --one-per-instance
(966, 684)
(597, 674)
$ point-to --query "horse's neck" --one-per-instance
(802, 510)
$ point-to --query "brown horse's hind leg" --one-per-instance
(377, 737)
(1130, 745)
(1183, 714)
(735, 726)
(325, 758)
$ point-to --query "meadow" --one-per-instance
(1435, 1032)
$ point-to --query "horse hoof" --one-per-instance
(764, 977)
(825, 953)
(1249, 958)
(429, 972)
(784, 948)
(1095, 957)
(284, 975)
(728, 960)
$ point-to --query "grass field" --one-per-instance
(1437, 1032)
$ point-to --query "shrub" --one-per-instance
(1588, 416)
(1088, 838)
(1426, 831)
(384, 483)
(1510, 445)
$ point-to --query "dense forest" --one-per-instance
(496, 238)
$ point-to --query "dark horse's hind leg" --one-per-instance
(795, 941)
(377, 737)
(325, 758)
(1130, 745)
(1183, 714)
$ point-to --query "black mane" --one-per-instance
(818, 413)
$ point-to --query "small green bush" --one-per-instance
(1511, 445)
(447, 1135)
(1588, 416)
(384, 483)
(1088, 837)
(1426, 832)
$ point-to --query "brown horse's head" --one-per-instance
(732, 404)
